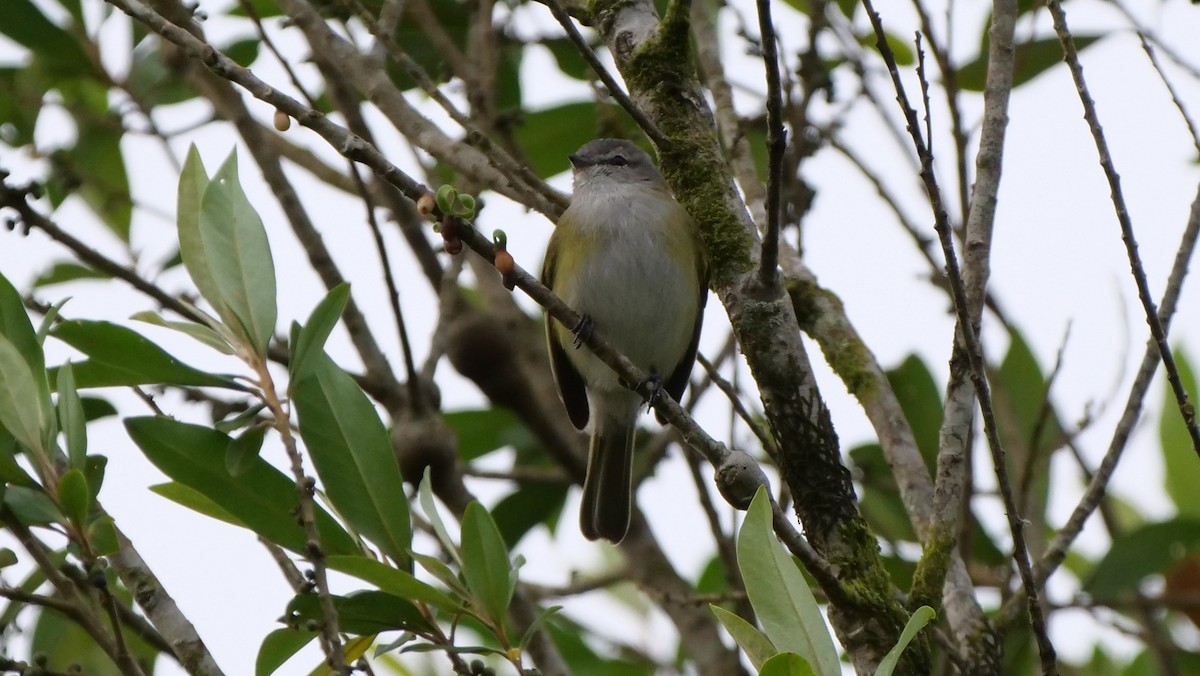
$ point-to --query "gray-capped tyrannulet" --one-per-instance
(629, 258)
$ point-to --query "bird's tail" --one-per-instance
(607, 498)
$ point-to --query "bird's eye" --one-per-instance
(619, 160)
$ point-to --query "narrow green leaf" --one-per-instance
(243, 52)
(239, 255)
(1032, 58)
(196, 501)
(1179, 457)
(394, 581)
(481, 431)
(311, 338)
(548, 136)
(74, 496)
(788, 664)
(278, 647)
(535, 626)
(781, 598)
(197, 331)
(121, 356)
(757, 647)
(916, 623)
(262, 498)
(97, 162)
(67, 271)
(20, 409)
(486, 566)
(243, 450)
(58, 50)
(71, 417)
(353, 455)
(102, 533)
(32, 506)
(16, 327)
(921, 400)
(442, 572)
(425, 495)
(93, 468)
(1148, 550)
(523, 509)
(193, 182)
(360, 612)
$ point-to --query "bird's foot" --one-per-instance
(583, 330)
(653, 387)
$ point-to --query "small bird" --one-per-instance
(628, 257)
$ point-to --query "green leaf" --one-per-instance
(243, 450)
(1179, 457)
(7, 557)
(121, 356)
(394, 581)
(781, 598)
(104, 184)
(278, 647)
(243, 52)
(196, 501)
(481, 431)
(56, 49)
(788, 664)
(568, 58)
(67, 272)
(923, 616)
(425, 495)
(1032, 58)
(902, 49)
(16, 327)
(199, 332)
(353, 455)
(151, 82)
(71, 417)
(361, 612)
(32, 506)
(74, 496)
(523, 509)
(102, 533)
(310, 340)
(25, 89)
(548, 136)
(193, 183)
(239, 255)
(262, 498)
(486, 567)
(757, 647)
(442, 572)
(20, 406)
(921, 400)
(1150, 549)
(93, 469)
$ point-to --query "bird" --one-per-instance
(630, 260)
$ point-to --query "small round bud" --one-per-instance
(426, 204)
(738, 478)
(477, 666)
(282, 121)
(505, 265)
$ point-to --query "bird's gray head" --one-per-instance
(609, 161)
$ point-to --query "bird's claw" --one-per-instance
(583, 330)
(653, 384)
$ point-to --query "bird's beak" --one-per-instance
(579, 161)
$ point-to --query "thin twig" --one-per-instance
(768, 271)
(967, 334)
(614, 88)
(1071, 55)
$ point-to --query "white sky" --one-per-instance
(1058, 261)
